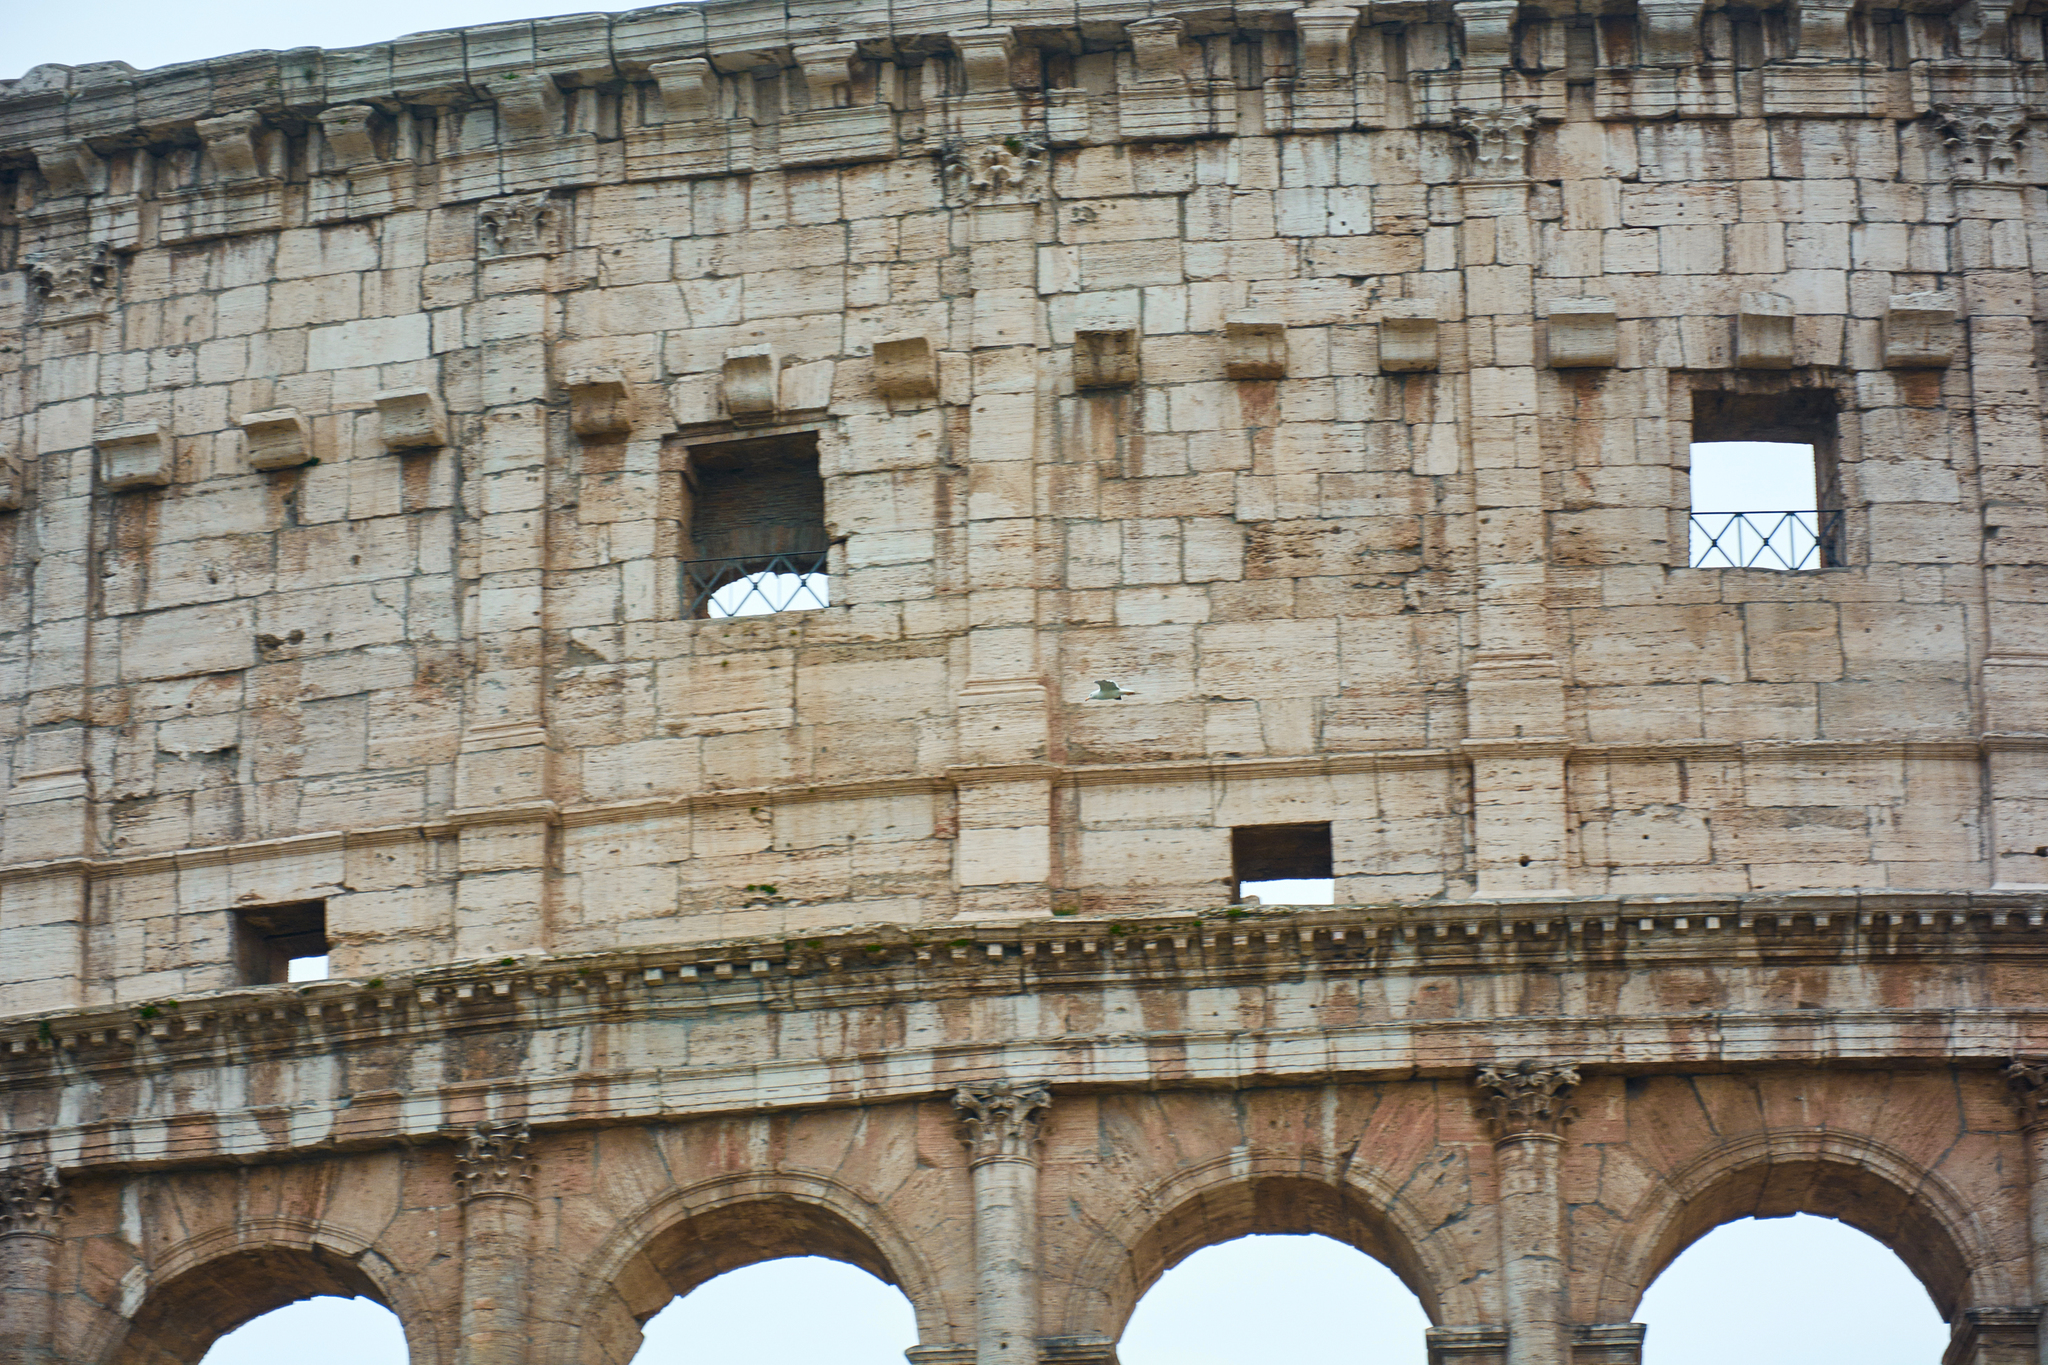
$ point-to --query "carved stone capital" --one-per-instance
(521, 225)
(2028, 1077)
(1983, 140)
(72, 282)
(1500, 140)
(994, 168)
(1527, 1099)
(1002, 1119)
(32, 1202)
(496, 1158)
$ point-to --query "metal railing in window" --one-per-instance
(1767, 540)
(755, 585)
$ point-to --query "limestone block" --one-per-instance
(750, 380)
(349, 137)
(529, 105)
(906, 370)
(137, 455)
(828, 73)
(231, 144)
(600, 404)
(276, 439)
(1409, 334)
(1582, 333)
(985, 55)
(1488, 28)
(1255, 346)
(71, 167)
(806, 387)
(411, 419)
(1763, 332)
(1920, 331)
(1105, 359)
(689, 89)
(1668, 32)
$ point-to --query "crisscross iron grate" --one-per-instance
(1766, 540)
(755, 585)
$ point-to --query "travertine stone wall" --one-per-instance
(1323, 375)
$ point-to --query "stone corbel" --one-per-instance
(985, 55)
(1763, 332)
(69, 168)
(689, 89)
(231, 144)
(750, 380)
(134, 455)
(1410, 335)
(1824, 30)
(828, 73)
(1528, 1099)
(906, 370)
(276, 439)
(1919, 331)
(1105, 358)
(350, 139)
(1582, 333)
(1324, 33)
(1984, 28)
(1255, 346)
(600, 403)
(529, 105)
(1001, 1119)
(411, 419)
(1668, 32)
(1157, 51)
(1489, 30)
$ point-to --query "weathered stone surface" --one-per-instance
(1324, 379)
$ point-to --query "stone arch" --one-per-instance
(689, 1235)
(1242, 1193)
(1857, 1180)
(206, 1286)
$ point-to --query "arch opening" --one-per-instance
(1908, 1227)
(1273, 1206)
(322, 1330)
(184, 1317)
(1800, 1288)
(1286, 1296)
(842, 1313)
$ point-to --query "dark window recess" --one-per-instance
(270, 938)
(756, 519)
(1765, 487)
(1263, 854)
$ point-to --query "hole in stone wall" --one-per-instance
(1780, 1291)
(279, 943)
(1765, 493)
(788, 1311)
(1282, 864)
(317, 1331)
(1264, 1298)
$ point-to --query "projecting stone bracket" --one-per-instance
(411, 420)
(276, 439)
(1582, 333)
(906, 370)
(1920, 331)
(1409, 335)
(1763, 332)
(1105, 359)
(1255, 346)
(136, 455)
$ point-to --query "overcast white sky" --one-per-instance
(1791, 1292)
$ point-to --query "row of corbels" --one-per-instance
(346, 1004)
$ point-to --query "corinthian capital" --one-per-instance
(496, 1158)
(1002, 1119)
(31, 1201)
(1526, 1098)
(2028, 1077)
(1500, 140)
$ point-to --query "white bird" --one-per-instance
(1105, 690)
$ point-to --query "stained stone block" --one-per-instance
(751, 375)
(1255, 346)
(599, 403)
(411, 419)
(1408, 334)
(1105, 359)
(1582, 333)
(1763, 332)
(276, 439)
(906, 371)
(13, 483)
(137, 455)
(1920, 331)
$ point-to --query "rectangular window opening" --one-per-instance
(281, 943)
(1282, 864)
(756, 529)
(1764, 487)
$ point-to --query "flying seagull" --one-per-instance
(1105, 690)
